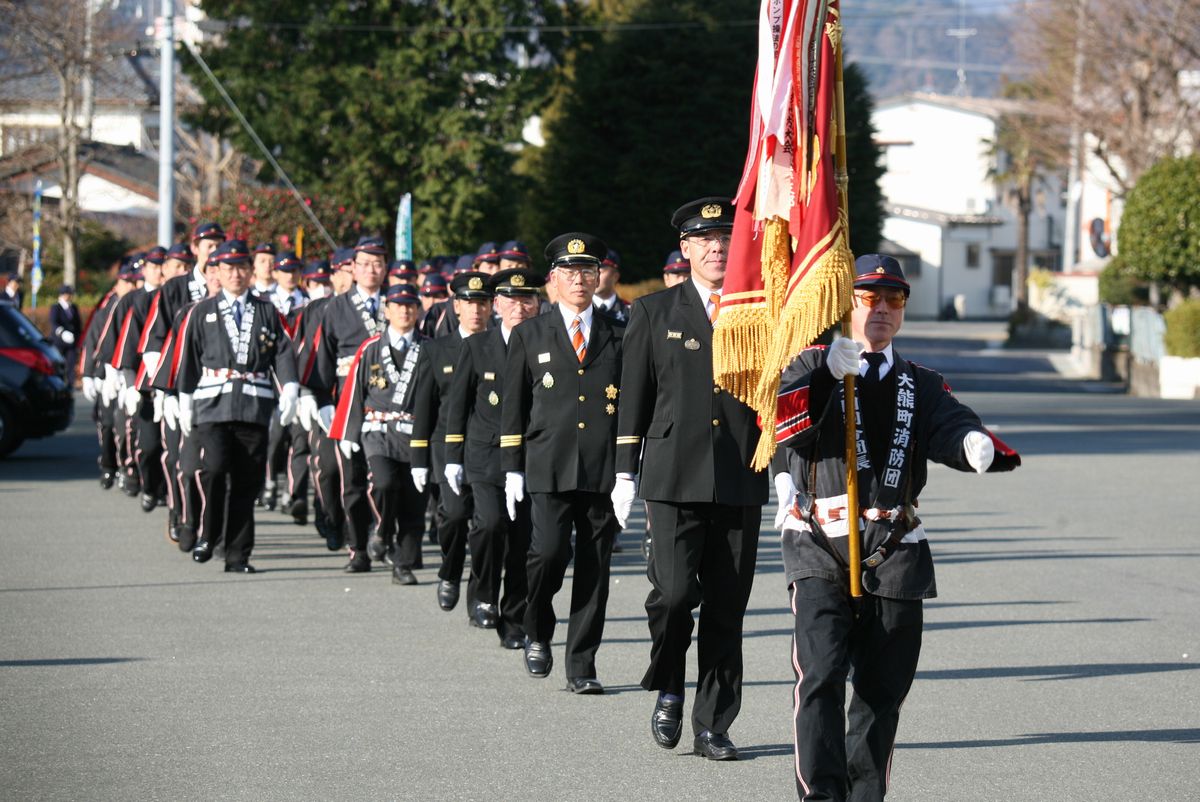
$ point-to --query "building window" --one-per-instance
(1002, 268)
(972, 254)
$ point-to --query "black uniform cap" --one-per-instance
(181, 252)
(879, 270)
(156, 255)
(371, 245)
(208, 230)
(287, 261)
(516, 281)
(233, 251)
(676, 263)
(402, 294)
(471, 286)
(703, 215)
(264, 247)
(576, 248)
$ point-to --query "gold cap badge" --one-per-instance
(475, 283)
(517, 280)
(710, 211)
(575, 246)
(880, 269)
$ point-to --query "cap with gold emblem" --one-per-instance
(576, 248)
(402, 294)
(471, 286)
(879, 270)
(703, 215)
(231, 252)
(676, 264)
(516, 281)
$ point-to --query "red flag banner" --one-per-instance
(790, 270)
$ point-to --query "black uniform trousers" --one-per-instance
(287, 453)
(327, 476)
(106, 434)
(233, 458)
(169, 461)
(498, 545)
(881, 646)
(125, 435)
(554, 515)
(398, 508)
(188, 487)
(149, 449)
(356, 507)
(453, 522)
(701, 554)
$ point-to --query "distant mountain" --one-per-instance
(910, 45)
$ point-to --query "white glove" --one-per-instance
(843, 357)
(289, 398)
(623, 494)
(420, 477)
(185, 414)
(514, 491)
(89, 388)
(454, 476)
(67, 337)
(108, 386)
(159, 397)
(150, 361)
(306, 411)
(130, 398)
(348, 448)
(325, 417)
(170, 411)
(980, 451)
(785, 492)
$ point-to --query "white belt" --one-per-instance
(214, 390)
(831, 512)
(402, 426)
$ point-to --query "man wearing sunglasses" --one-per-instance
(907, 417)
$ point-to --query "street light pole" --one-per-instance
(166, 127)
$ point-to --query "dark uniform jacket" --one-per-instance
(435, 373)
(473, 409)
(62, 320)
(559, 418)
(345, 322)
(689, 440)
(375, 407)
(304, 329)
(165, 376)
(908, 417)
(95, 330)
(228, 370)
(174, 295)
(125, 341)
(618, 312)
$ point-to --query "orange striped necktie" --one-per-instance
(577, 338)
(714, 299)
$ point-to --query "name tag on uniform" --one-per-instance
(543, 358)
(211, 317)
(488, 376)
(447, 368)
(674, 335)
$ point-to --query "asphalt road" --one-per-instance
(1060, 660)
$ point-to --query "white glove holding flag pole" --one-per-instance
(170, 411)
(348, 448)
(454, 476)
(325, 417)
(67, 336)
(108, 386)
(130, 398)
(289, 399)
(159, 399)
(623, 494)
(89, 388)
(420, 477)
(150, 361)
(842, 358)
(979, 450)
(514, 491)
(306, 410)
(185, 414)
(785, 492)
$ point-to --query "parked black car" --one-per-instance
(35, 400)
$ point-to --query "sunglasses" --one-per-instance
(894, 299)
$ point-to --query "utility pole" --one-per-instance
(166, 126)
(1072, 255)
(962, 33)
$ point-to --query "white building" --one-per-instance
(943, 205)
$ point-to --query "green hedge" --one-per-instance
(1182, 337)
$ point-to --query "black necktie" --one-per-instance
(371, 305)
(237, 313)
(875, 361)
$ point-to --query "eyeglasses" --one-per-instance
(582, 274)
(231, 266)
(708, 238)
(895, 299)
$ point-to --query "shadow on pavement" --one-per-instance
(1042, 673)
(1180, 736)
(68, 661)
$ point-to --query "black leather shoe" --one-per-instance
(106, 479)
(376, 548)
(666, 722)
(203, 551)
(447, 595)
(187, 538)
(149, 502)
(714, 746)
(298, 509)
(335, 538)
(132, 487)
(269, 497)
(646, 547)
(403, 576)
(538, 660)
(585, 686)
(511, 641)
(359, 563)
(173, 532)
(484, 616)
(240, 568)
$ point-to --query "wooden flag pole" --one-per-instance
(842, 178)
